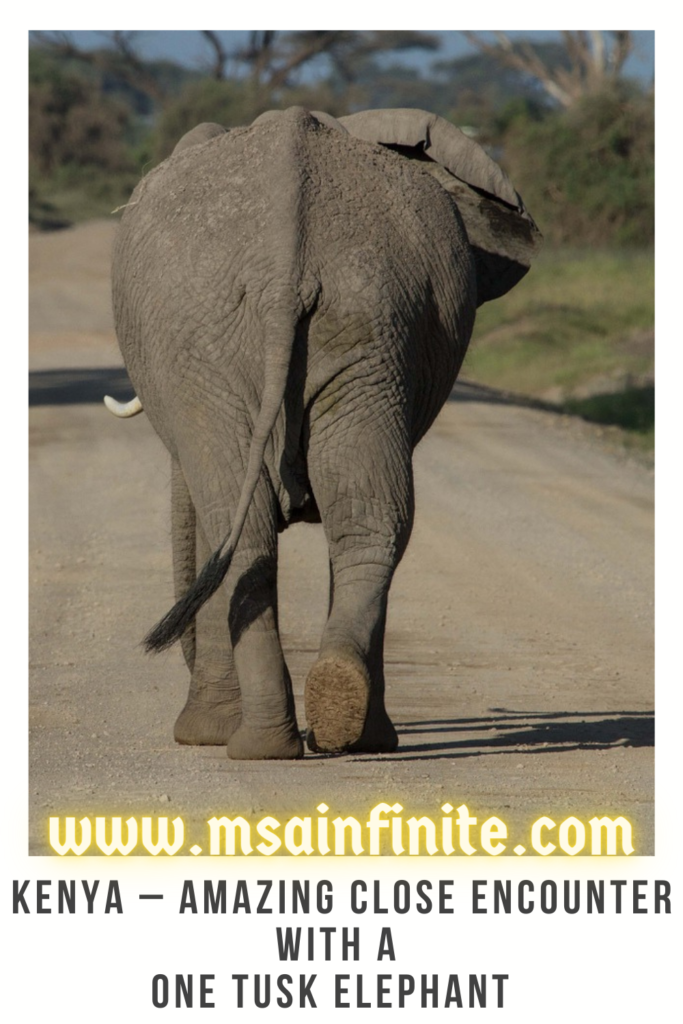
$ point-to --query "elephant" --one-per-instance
(293, 301)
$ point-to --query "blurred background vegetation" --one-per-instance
(573, 131)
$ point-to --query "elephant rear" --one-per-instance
(293, 302)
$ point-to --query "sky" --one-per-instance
(188, 47)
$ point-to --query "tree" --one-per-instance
(274, 59)
(117, 58)
(70, 123)
(271, 61)
(225, 101)
(587, 173)
(594, 60)
(267, 73)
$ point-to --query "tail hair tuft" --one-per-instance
(183, 612)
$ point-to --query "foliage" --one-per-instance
(70, 123)
(631, 409)
(79, 144)
(578, 329)
(166, 79)
(100, 118)
(589, 61)
(475, 89)
(587, 173)
(341, 57)
(228, 103)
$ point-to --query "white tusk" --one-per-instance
(123, 409)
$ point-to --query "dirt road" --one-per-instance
(520, 638)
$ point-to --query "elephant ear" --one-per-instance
(502, 234)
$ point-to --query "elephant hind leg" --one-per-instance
(362, 482)
(267, 728)
(337, 703)
(212, 711)
(344, 694)
(184, 539)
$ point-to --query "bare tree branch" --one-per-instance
(599, 54)
(120, 57)
(274, 57)
(623, 46)
(317, 43)
(590, 62)
(522, 59)
(259, 53)
(134, 69)
(220, 55)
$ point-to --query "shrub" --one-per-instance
(72, 123)
(587, 173)
(229, 103)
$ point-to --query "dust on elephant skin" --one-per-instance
(293, 301)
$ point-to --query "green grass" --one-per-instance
(580, 323)
(72, 197)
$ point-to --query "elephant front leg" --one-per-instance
(365, 496)
(212, 711)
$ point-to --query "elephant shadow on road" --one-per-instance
(88, 385)
(78, 386)
(519, 733)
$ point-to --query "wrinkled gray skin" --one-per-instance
(295, 272)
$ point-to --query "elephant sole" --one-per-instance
(337, 697)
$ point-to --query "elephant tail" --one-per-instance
(282, 299)
(177, 620)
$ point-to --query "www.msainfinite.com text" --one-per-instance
(384, 831)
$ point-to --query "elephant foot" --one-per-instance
(337, 700)
(273, 744)
(379, 736)
(204, 724)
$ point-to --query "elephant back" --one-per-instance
(501, 232)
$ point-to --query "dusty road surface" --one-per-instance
(519, 647)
